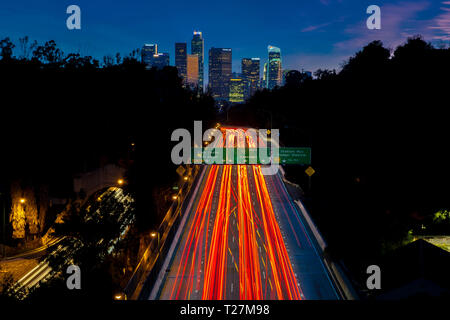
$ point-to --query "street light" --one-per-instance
(120, 182)
(22, 200)
(174, 197)
(120, 296)
(186, 178)
(155, 234)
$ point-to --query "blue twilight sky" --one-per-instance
(312, 34)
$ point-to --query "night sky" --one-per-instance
(312, 34)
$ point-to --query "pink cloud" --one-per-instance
(315, 27)
(441, 24)
(392, 32)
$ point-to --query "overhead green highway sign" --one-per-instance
(296, 155)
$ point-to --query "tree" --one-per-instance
(49, 53)
(414, 50)
(24, 212)
(6, 48)
(441, 216)
(17, 216)
(372, 59)
(108, 61)
(74, 61)
(294, 79)
(325, 74)
(26, 47)
(118, 58)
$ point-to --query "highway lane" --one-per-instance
(245, 239)
(303, 250)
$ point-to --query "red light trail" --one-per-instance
(235, 203)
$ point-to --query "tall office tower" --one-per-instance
(274, 75)
(181, 59)
(236, 90)
(197, 47)
(220, 72)
(264, 77)
(192, 79)
(161, 60)
(250, 75)
(147, 53)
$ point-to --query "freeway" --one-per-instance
(244, 238)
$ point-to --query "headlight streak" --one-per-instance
(263, 265)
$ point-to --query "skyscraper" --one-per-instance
(250, 76)
(264, 77)
(147, 53)
(274, 75)
(220, 72)
(161, 60)
(197, 47)
(192, 79)
(181, 59)
(236, 90)
(152, 58)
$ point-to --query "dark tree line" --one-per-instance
(67, 113)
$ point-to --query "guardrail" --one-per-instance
(342, 283)
(146, 271)
(339, 278)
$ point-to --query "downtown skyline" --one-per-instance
(311, 34)
(223, 81)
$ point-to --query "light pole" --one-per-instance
(155, 234)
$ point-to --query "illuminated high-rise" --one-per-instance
(152, 58)
(236, 90)
(181, 59)
(274, 72)
(250, 76)
(220, 72)
(264, 77)
(161, 60)
(147, 53)
(192, 79)
(197, 47)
